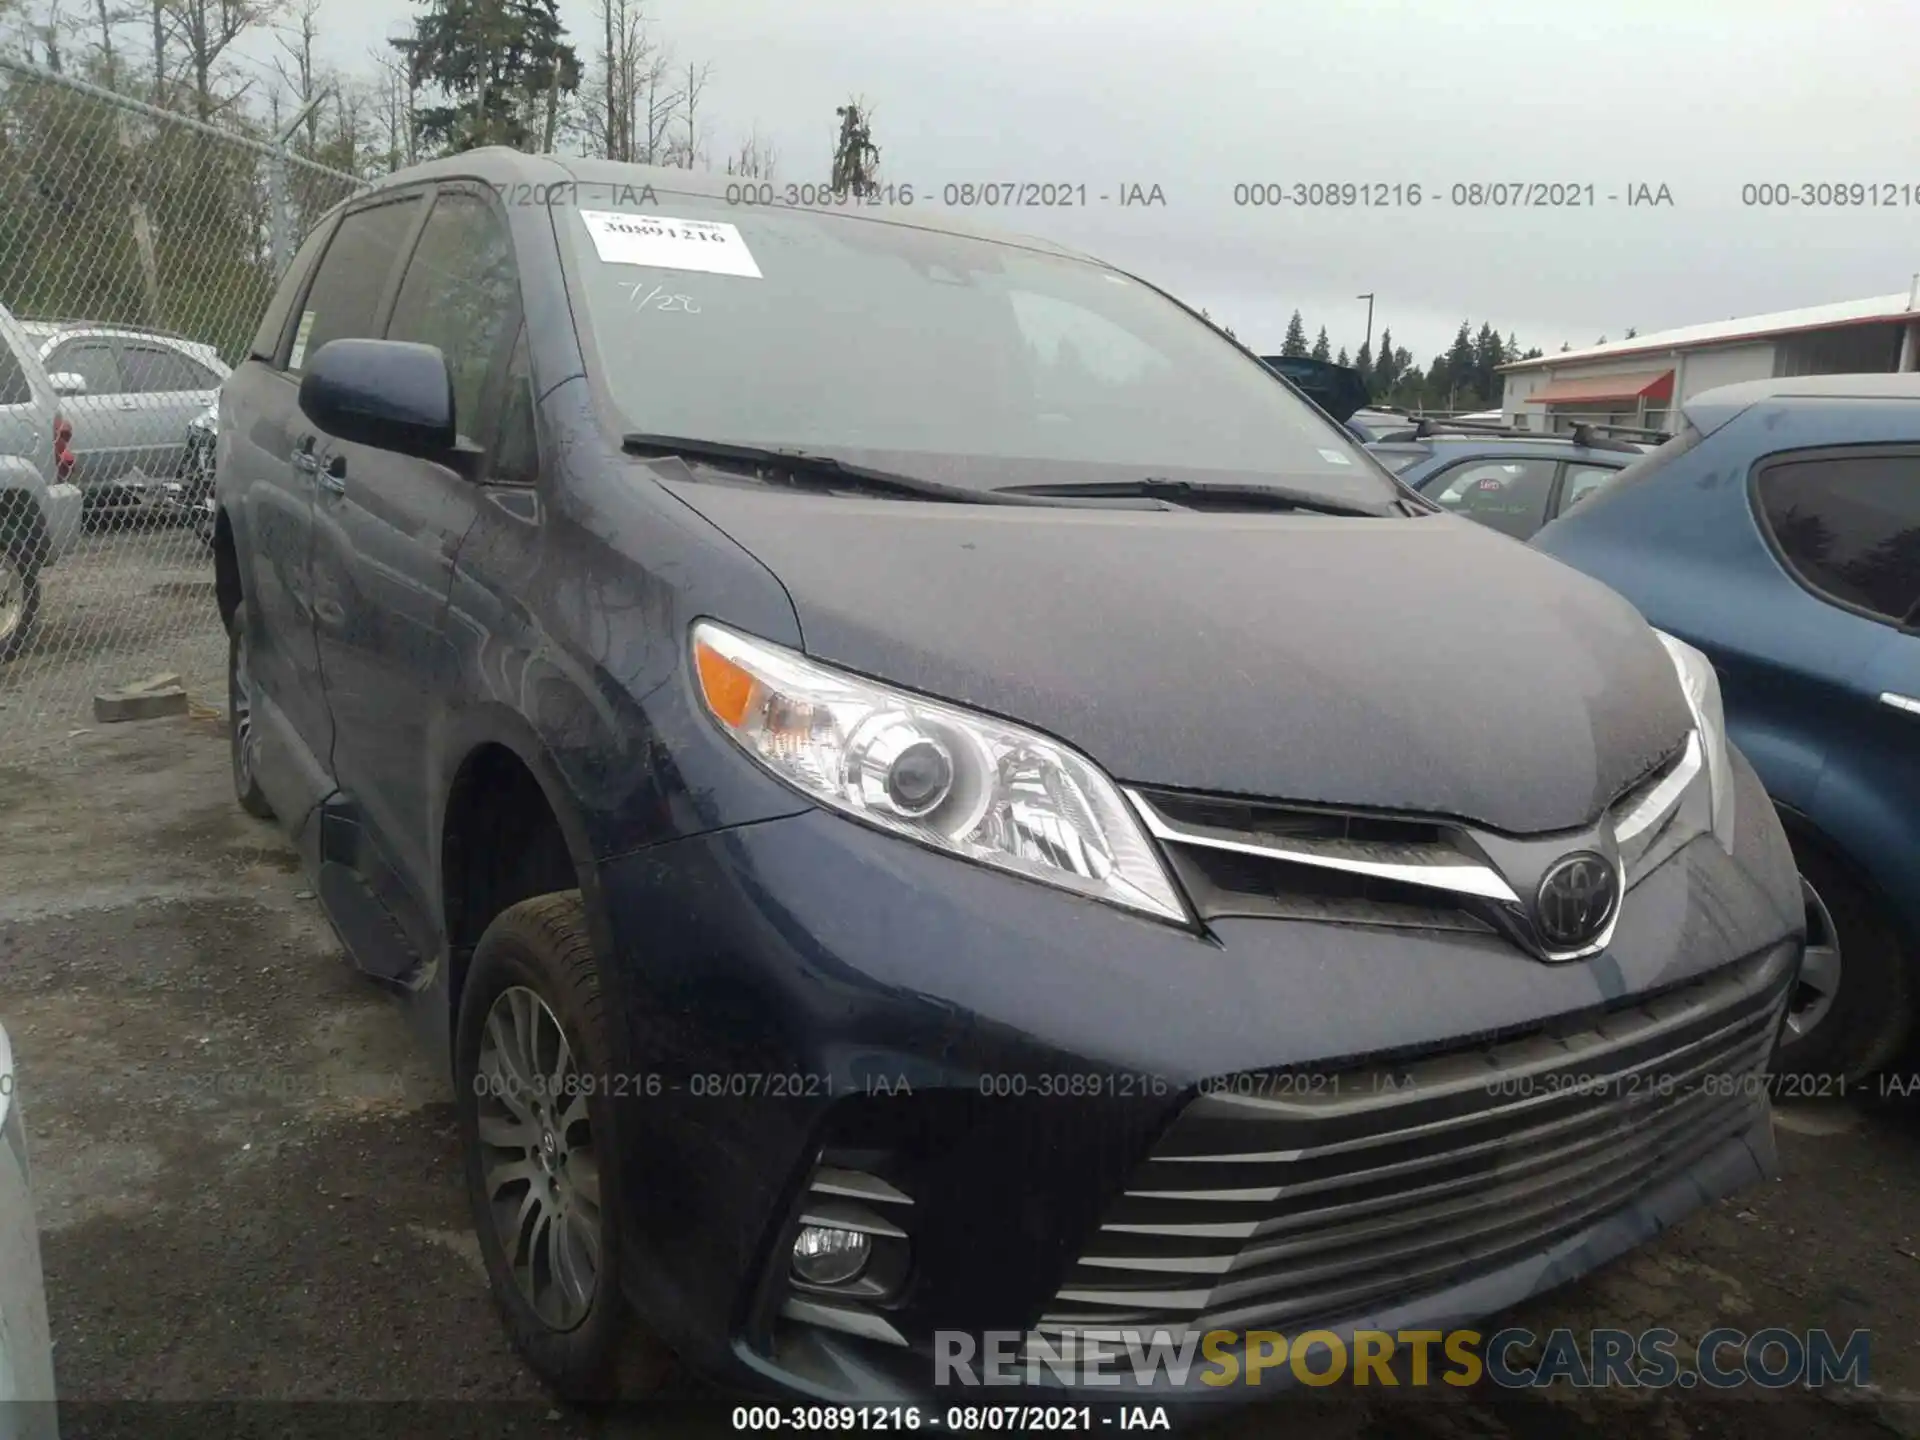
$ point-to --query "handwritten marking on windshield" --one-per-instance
(658, 299)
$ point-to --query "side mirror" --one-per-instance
(67, 382)
(390, 394)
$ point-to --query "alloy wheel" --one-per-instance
(1819, 983)
(537, 1159)
(241, 703)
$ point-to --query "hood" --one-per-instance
(1426, 665)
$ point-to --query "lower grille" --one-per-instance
(1305, 1196)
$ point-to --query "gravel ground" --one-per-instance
(247, 1178)
(133, 599)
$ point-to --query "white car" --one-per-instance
(26, 1352)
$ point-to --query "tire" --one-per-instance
(1865, 1021)
(19, 593)
(533, 974)
(243, 738)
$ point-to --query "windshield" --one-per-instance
(971, 361)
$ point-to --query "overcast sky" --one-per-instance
(1198, 96)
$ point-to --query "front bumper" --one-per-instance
(1015, 1060)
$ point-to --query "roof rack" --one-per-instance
(1591, 437)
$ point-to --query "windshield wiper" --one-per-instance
(823, 470)
(1200, 495)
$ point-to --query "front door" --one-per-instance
(388, 529)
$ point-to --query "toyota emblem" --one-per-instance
(1576, 901)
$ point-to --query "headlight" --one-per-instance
(964, 783)
(1702, 688)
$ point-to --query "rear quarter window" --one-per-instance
(1847, 526)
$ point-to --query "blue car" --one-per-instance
(1510, 481)
(1779, 532)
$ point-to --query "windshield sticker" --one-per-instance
(300, 340)
(1334, 457)
(669, 244)
(655, 297)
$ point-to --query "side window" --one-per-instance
(344, 300)
(95, 361)
(516, 455)
(1582, 481)
(14, 389)
(1848, 527)
(462, 293)
(154, 369)
(273, 324)
(1507, 495)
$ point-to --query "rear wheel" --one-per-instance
(1851, 1010)
(540, 1145)
(243, 740)
(19, 592)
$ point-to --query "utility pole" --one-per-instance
(1368, 297)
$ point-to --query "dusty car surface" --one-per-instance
(891, 764)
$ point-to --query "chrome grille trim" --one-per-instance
(1437, 875)
(1434, 867)
(1370, 1198)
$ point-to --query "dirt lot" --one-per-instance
(247, 1182)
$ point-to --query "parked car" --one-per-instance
(883, 755)
(196, 456)
(39, 504)
(1779, 532)
(1508, 480)
(27, 1402)
(135, 392)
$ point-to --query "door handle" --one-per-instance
(1901, 702)
(127, 403)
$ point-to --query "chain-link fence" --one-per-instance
(138, 249)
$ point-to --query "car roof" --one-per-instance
(496, 165)
(50, 330)
(1711, 409)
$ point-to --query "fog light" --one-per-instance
(827, 1255)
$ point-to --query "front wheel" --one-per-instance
(1851, 1010)
(540, 1150)
(243, 739)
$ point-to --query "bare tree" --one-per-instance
(106, 23)
(685, 151)
(856, 159)
(755, 159)
(206, 29)
(399, 94)
(628, 105)
(297, 68)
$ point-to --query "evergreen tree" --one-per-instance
(501, 64)
(1341, 358)
(1457, 367)
(1296, 341)
(1363, 362)
(1489, 354)
(1383, 372)
(1321, 350)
